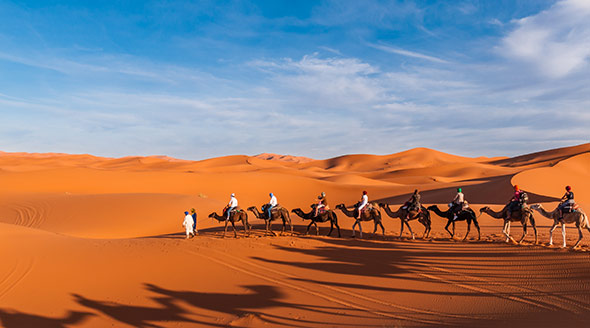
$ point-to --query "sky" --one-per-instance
(201, 79)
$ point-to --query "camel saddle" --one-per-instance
(369, 207)
(570, 208)
(235, 210)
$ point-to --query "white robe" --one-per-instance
(188, 224)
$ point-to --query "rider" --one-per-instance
(514, 201)
(566, 201)
(232, 205)
(272, 203)
(457, 203)
(413, 203)
(322, 203)
(364, 201)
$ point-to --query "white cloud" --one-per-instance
(555, 41)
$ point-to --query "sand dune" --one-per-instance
(98, 242)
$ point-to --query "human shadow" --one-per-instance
(11, 318)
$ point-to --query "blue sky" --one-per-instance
(199, 79)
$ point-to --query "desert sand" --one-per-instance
(87, 241)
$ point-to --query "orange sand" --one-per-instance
(96, 242)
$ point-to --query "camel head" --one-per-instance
(299, 213)
(212, 215)
(340, 206)
(251, 208)
(536, 206)
(431, 207)
(382, 205)
(483, 209)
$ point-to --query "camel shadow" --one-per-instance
(174, 305)
(258, 298)
(12, 318)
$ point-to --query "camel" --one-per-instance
(277, 213)
(236, 216)
(423, 217)
(517, 216)
(465, 215)
(371, 215)
(578, 217)
(326, 216)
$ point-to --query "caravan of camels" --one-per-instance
(517, 210)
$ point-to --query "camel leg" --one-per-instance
(360, 229)
(506, 230)
(401, 230)
(581, 236)
(224, 231)
(468, 229)
(508, 238)
(308, 227)
(338, 227)
(476, 224)
(551, 233)
(534, 228)
(453, 229)
(425, 227)
(447, 229)
(410, 228)
(523, 233)
(233, 225)
(331, 228)
(382, 227)
(563, 234)
(272, 233)
(354, 228)
(317, 229)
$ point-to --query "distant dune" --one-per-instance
(284, 158)
(91, 242)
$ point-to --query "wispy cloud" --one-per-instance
(407, 53)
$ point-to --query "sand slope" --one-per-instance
(93, 242)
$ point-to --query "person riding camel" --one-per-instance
(232, 205)
(363, 202)
(515, 201)
(322, 203)
(413, 203)
(567, 201)
(271, 204)
(457, 203)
